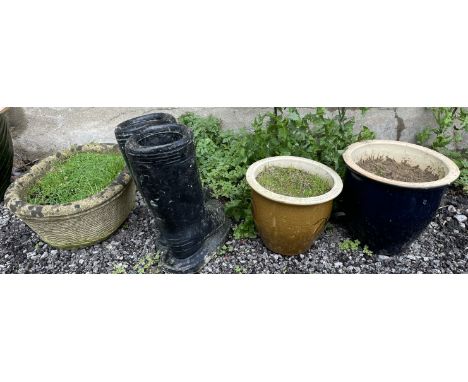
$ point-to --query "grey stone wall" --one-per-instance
(41, 131)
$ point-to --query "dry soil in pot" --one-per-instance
(402, 171)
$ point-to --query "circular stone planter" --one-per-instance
(386, 214)
(76, 224)
(286, 224)
(6, 153)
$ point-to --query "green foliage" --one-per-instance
(354, 245)
(224, 156)
(119, 269)
(367, 251)
(223, 161)
(332, 135)
(318, 136)
(452, 124)
(349, 245)
(292, 182)
(224, 250)
(461, 160)
(423, 137)
(239, 269)
(77, 177)
(146, 263)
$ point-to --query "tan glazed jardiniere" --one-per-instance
(289, 225)
(76, 224)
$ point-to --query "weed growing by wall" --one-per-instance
(452, 125)
(224, 156)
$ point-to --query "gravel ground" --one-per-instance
(442, 248)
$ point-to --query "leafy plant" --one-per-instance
(367, 251)
(224, 250)
(334, 134)
(349, 245)
(292, 182)
(146, 263)
(318, 135)
(354, 245)
(81, 175)
(238, 269)
(224, 156)
(223, 159)
(452, 124)
(119, 269)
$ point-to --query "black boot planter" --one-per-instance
(162, 159)
(132, 126)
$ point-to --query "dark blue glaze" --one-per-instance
(385, 217)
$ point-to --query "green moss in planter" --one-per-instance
(292, 182)
(76, 177)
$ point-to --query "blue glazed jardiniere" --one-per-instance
(385, 214)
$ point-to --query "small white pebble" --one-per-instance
(461, 218)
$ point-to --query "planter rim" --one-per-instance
(256, 167)
(3, 109)
(452, 174)
(16, 202)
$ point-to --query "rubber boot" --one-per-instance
(127, 128)
(162, 159)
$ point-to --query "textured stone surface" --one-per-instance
(40, 131)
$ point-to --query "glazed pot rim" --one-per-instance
(15, 199)
(452, 174)
(256, 167)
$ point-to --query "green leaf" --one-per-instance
(224, 156)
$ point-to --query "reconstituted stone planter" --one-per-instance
(385, 214)
(77, 224)
(289, 225)
(6, 153)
